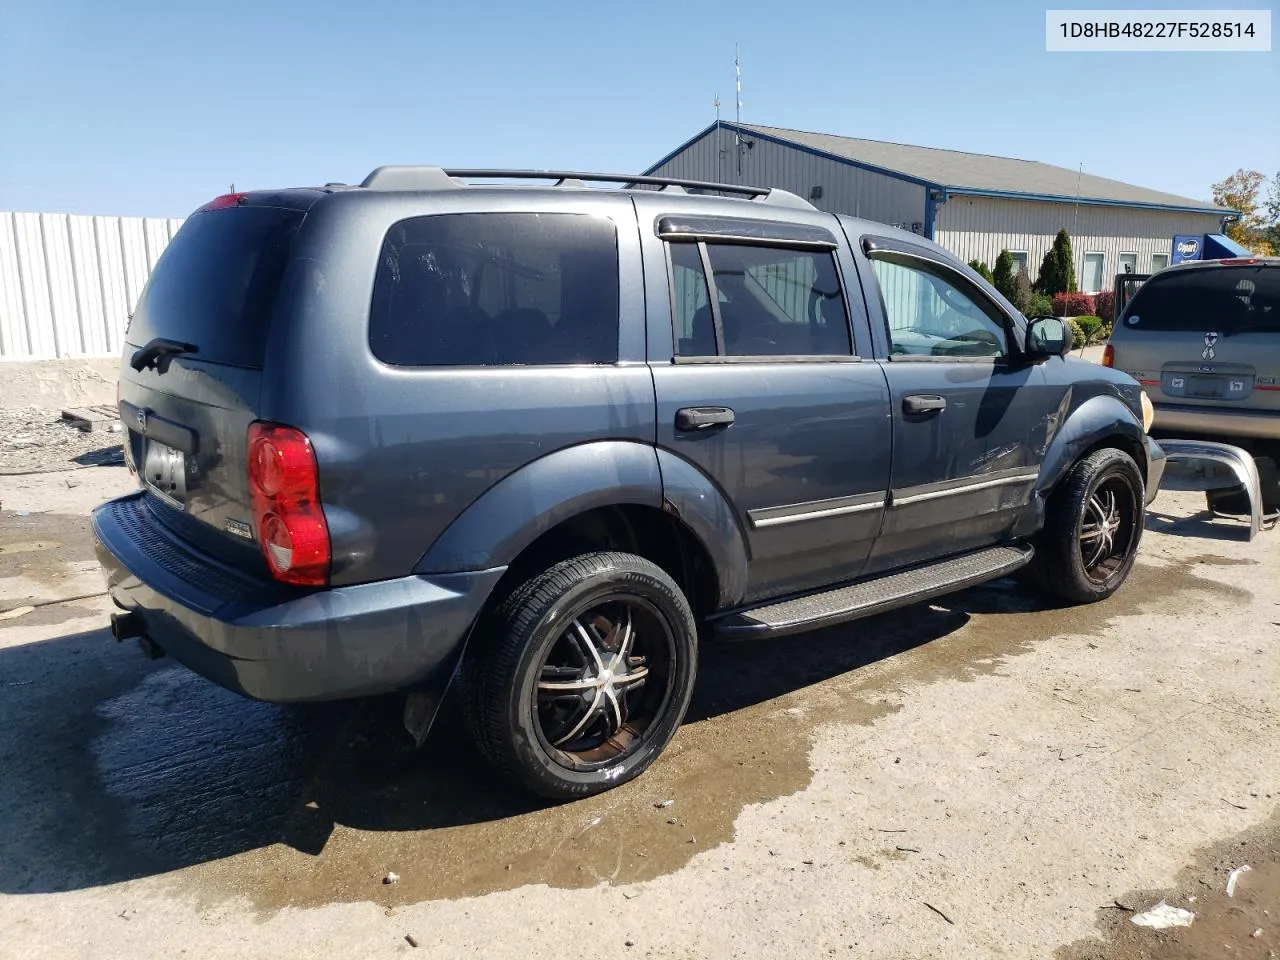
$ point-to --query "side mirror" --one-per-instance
(1048, 337)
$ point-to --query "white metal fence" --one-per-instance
(68, 283)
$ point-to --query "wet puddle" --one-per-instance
(137, 769)
(1246, 924)
(45, 557)
(449, 829)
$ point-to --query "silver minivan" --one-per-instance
(1203, 339)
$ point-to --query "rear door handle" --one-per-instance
(703, 418)
(924, 403)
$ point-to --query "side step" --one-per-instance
(870, 597)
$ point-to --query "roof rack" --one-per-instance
(438, 178)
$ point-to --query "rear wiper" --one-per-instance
(159, 353)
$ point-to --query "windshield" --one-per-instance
(1228, 300)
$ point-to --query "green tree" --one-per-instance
(1058, 269)
(1002, 277)
(982, 269)
(1022, 290)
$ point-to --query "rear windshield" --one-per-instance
(1227, 300)
(497, 288)
(216, 283)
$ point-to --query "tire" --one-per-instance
(1106, 480)
(562, 722)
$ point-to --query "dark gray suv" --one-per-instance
(537, 441)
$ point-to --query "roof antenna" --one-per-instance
(719, 149)
(1075, 219)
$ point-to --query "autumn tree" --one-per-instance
(1022, 289)
(1273, 213)
(1242, 192)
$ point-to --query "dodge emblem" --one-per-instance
(142, 420)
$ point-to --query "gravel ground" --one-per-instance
(982, 776)
(37, 440)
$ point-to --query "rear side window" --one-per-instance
(216, 283)
(493, 289)
(1223, 299)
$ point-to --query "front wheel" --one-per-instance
(1091, 534)
(578, 680)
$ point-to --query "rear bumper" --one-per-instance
(1156, 460)
(1217, 421)
(279, 644)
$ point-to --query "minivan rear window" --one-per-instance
(1228, 300)
(216, 283)
(482, 289)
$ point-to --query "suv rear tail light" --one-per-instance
(285, 486)
(1109, 356)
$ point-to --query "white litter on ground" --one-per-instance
(1162, 916)
(1233, 877)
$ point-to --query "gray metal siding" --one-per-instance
(978, 228)
(67, 283)
(845, 189)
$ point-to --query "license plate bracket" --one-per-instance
(1209, 388)
(164, 471)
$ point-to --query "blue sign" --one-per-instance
(1187, 248)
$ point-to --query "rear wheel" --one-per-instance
(578, 680)
(1093, 528)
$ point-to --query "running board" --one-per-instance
(870, 597)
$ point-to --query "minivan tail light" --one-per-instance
(284, 484)
(1109, 356)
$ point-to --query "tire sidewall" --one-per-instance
(1116, 463)
(536, 757)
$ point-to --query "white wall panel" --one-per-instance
(68, 283)
(978, 228)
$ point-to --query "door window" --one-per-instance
(768, 301)
(932, 312)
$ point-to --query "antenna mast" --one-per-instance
(719, 148)
(1075, 217)
(737, 76)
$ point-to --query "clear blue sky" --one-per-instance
(152, 107)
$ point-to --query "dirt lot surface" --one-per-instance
(37, 440)
(979, 777)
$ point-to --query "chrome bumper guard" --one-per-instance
(1201, 465)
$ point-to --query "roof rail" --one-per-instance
(404, 177)
(437, 178)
